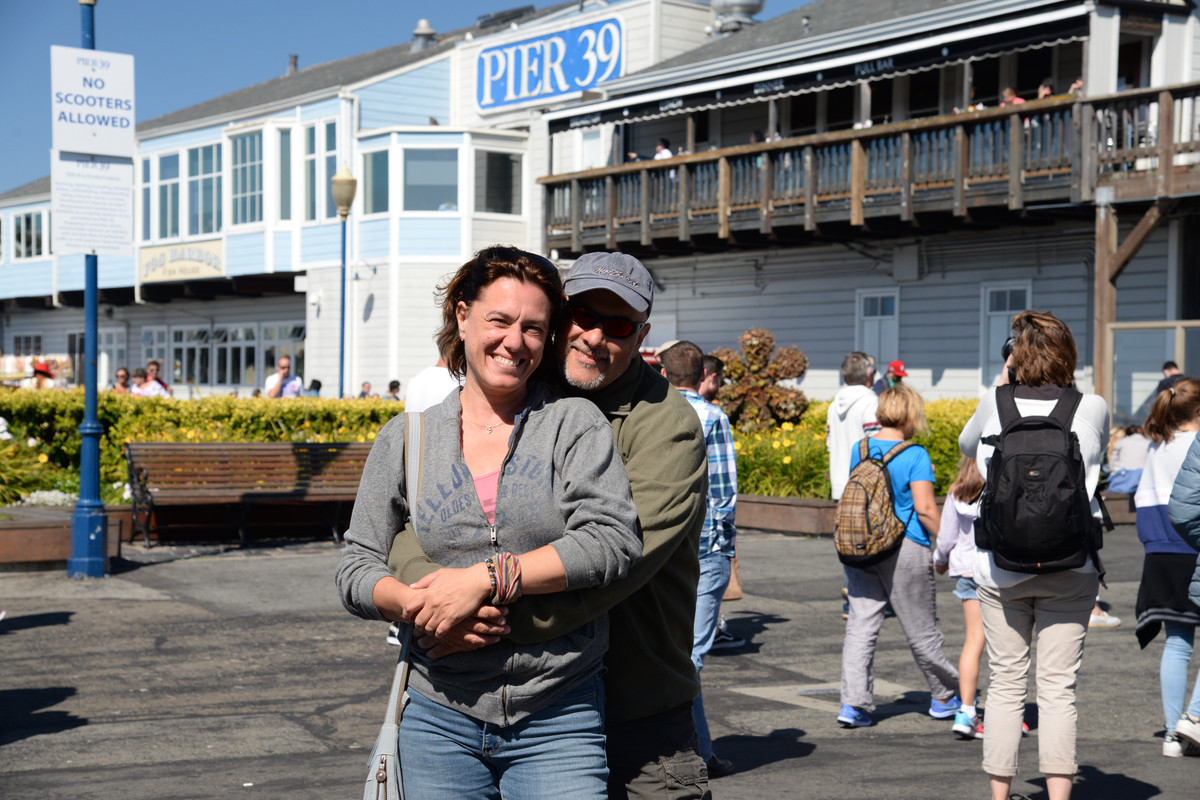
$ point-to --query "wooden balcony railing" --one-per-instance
(1053, 151)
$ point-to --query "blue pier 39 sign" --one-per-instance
(549, 66)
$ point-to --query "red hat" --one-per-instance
(897, 368)
(40, 368)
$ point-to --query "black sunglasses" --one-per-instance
(612, 327)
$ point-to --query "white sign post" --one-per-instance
(91, 94)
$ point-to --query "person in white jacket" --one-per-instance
(851, 416)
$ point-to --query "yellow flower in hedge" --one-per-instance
(43, 458)
(737, 445)
(787, 459)
(787, 426)
(775, 445)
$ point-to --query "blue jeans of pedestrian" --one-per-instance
(555, 754)
(1173, 673)
(715, 570)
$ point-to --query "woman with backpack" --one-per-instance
(904, 577)
(1020, 606)
(1162, 601)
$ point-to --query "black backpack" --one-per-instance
(1035, 513)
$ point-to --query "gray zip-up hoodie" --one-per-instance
(562, 484)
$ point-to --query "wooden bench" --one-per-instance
(235, 476)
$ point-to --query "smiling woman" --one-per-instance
(521, 493)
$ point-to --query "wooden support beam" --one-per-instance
(810, 190)
(1083, 152)
(1104, 300)
(724, 196)
(906, 174)
(1166, 145)
(858, 181)
(1155, 214)
(1016, 162)
(766, 179)
(685, 201)
(960, 171)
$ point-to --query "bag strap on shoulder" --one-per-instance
(895, 451)
(413, 447)
(1064, 409)
(1006, 404)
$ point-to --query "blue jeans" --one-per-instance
(556, 754)
(715, 570)
(1173, 673)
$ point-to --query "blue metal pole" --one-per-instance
(89, 523)
(342, 320)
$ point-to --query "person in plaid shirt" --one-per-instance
(683, 366)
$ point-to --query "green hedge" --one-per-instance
(791, 460)
(53, 419)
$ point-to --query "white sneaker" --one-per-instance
(1172, 748)
(1188, 731)
(1104, 620)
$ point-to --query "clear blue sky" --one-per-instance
(188, 51)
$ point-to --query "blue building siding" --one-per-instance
(27, 278)
(407, 99)
(179, 140)
(246, 254)
(373, 239)
(443, 139)
(114, 271)
(324, 108)
(321, 243)
(430, 237)
(283, 251)
(375, 142)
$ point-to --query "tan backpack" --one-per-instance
(868, 530)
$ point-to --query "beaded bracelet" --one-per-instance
(491, 568)
(507, 571)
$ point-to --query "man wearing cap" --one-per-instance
(895, 372)
(650, 680)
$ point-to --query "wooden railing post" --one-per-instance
(858, 181)
(576, 217)
(906, 174)
(1083, 152)
(724, 196)
(1104, 300)
(959, 161)
(1016, 162)
(610, 202)
(1166, 145)
(685, 201)
(810, 190)
(766, 178)
(645, 238)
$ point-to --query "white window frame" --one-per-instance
(216, 177)
(44, 242)
(160, 185)
(881, 359)
(112, 353)
(460, 171)
(251, 171)
(227, 344)
(481, 150)
(27, 345)
(158, 347)
(366, 182)
(285, 178)
(989, 351)
(180, 344)
(323, 162)
(145, 195)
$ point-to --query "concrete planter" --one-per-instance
(35, 537)
(793, 515)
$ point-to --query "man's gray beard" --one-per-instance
(582, 386)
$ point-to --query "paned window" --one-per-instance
(878, 325)
(31, 234)
(310, 172)
(154, 344)
(330, 167)
(190, 355)
(234, 349)
(498, 182)
(168, 196)
(27, 345)
(320, 164)
(204, 189)
(375, 182)
(283, 340)
(146, 199)
(247, 178)
(1000, 304)
(285, 174)
(430, 180)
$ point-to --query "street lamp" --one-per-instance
(343, 186)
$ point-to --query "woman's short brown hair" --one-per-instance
(1172, 408)
(488, 265)
(901, 407)
(1043, 349)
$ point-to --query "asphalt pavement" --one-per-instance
(214, 672)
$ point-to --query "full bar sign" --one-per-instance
(91, 95)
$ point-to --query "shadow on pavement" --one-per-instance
(1096, 784)
(23, 715)
(26, 622)
(747, 625)
(752, 752)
